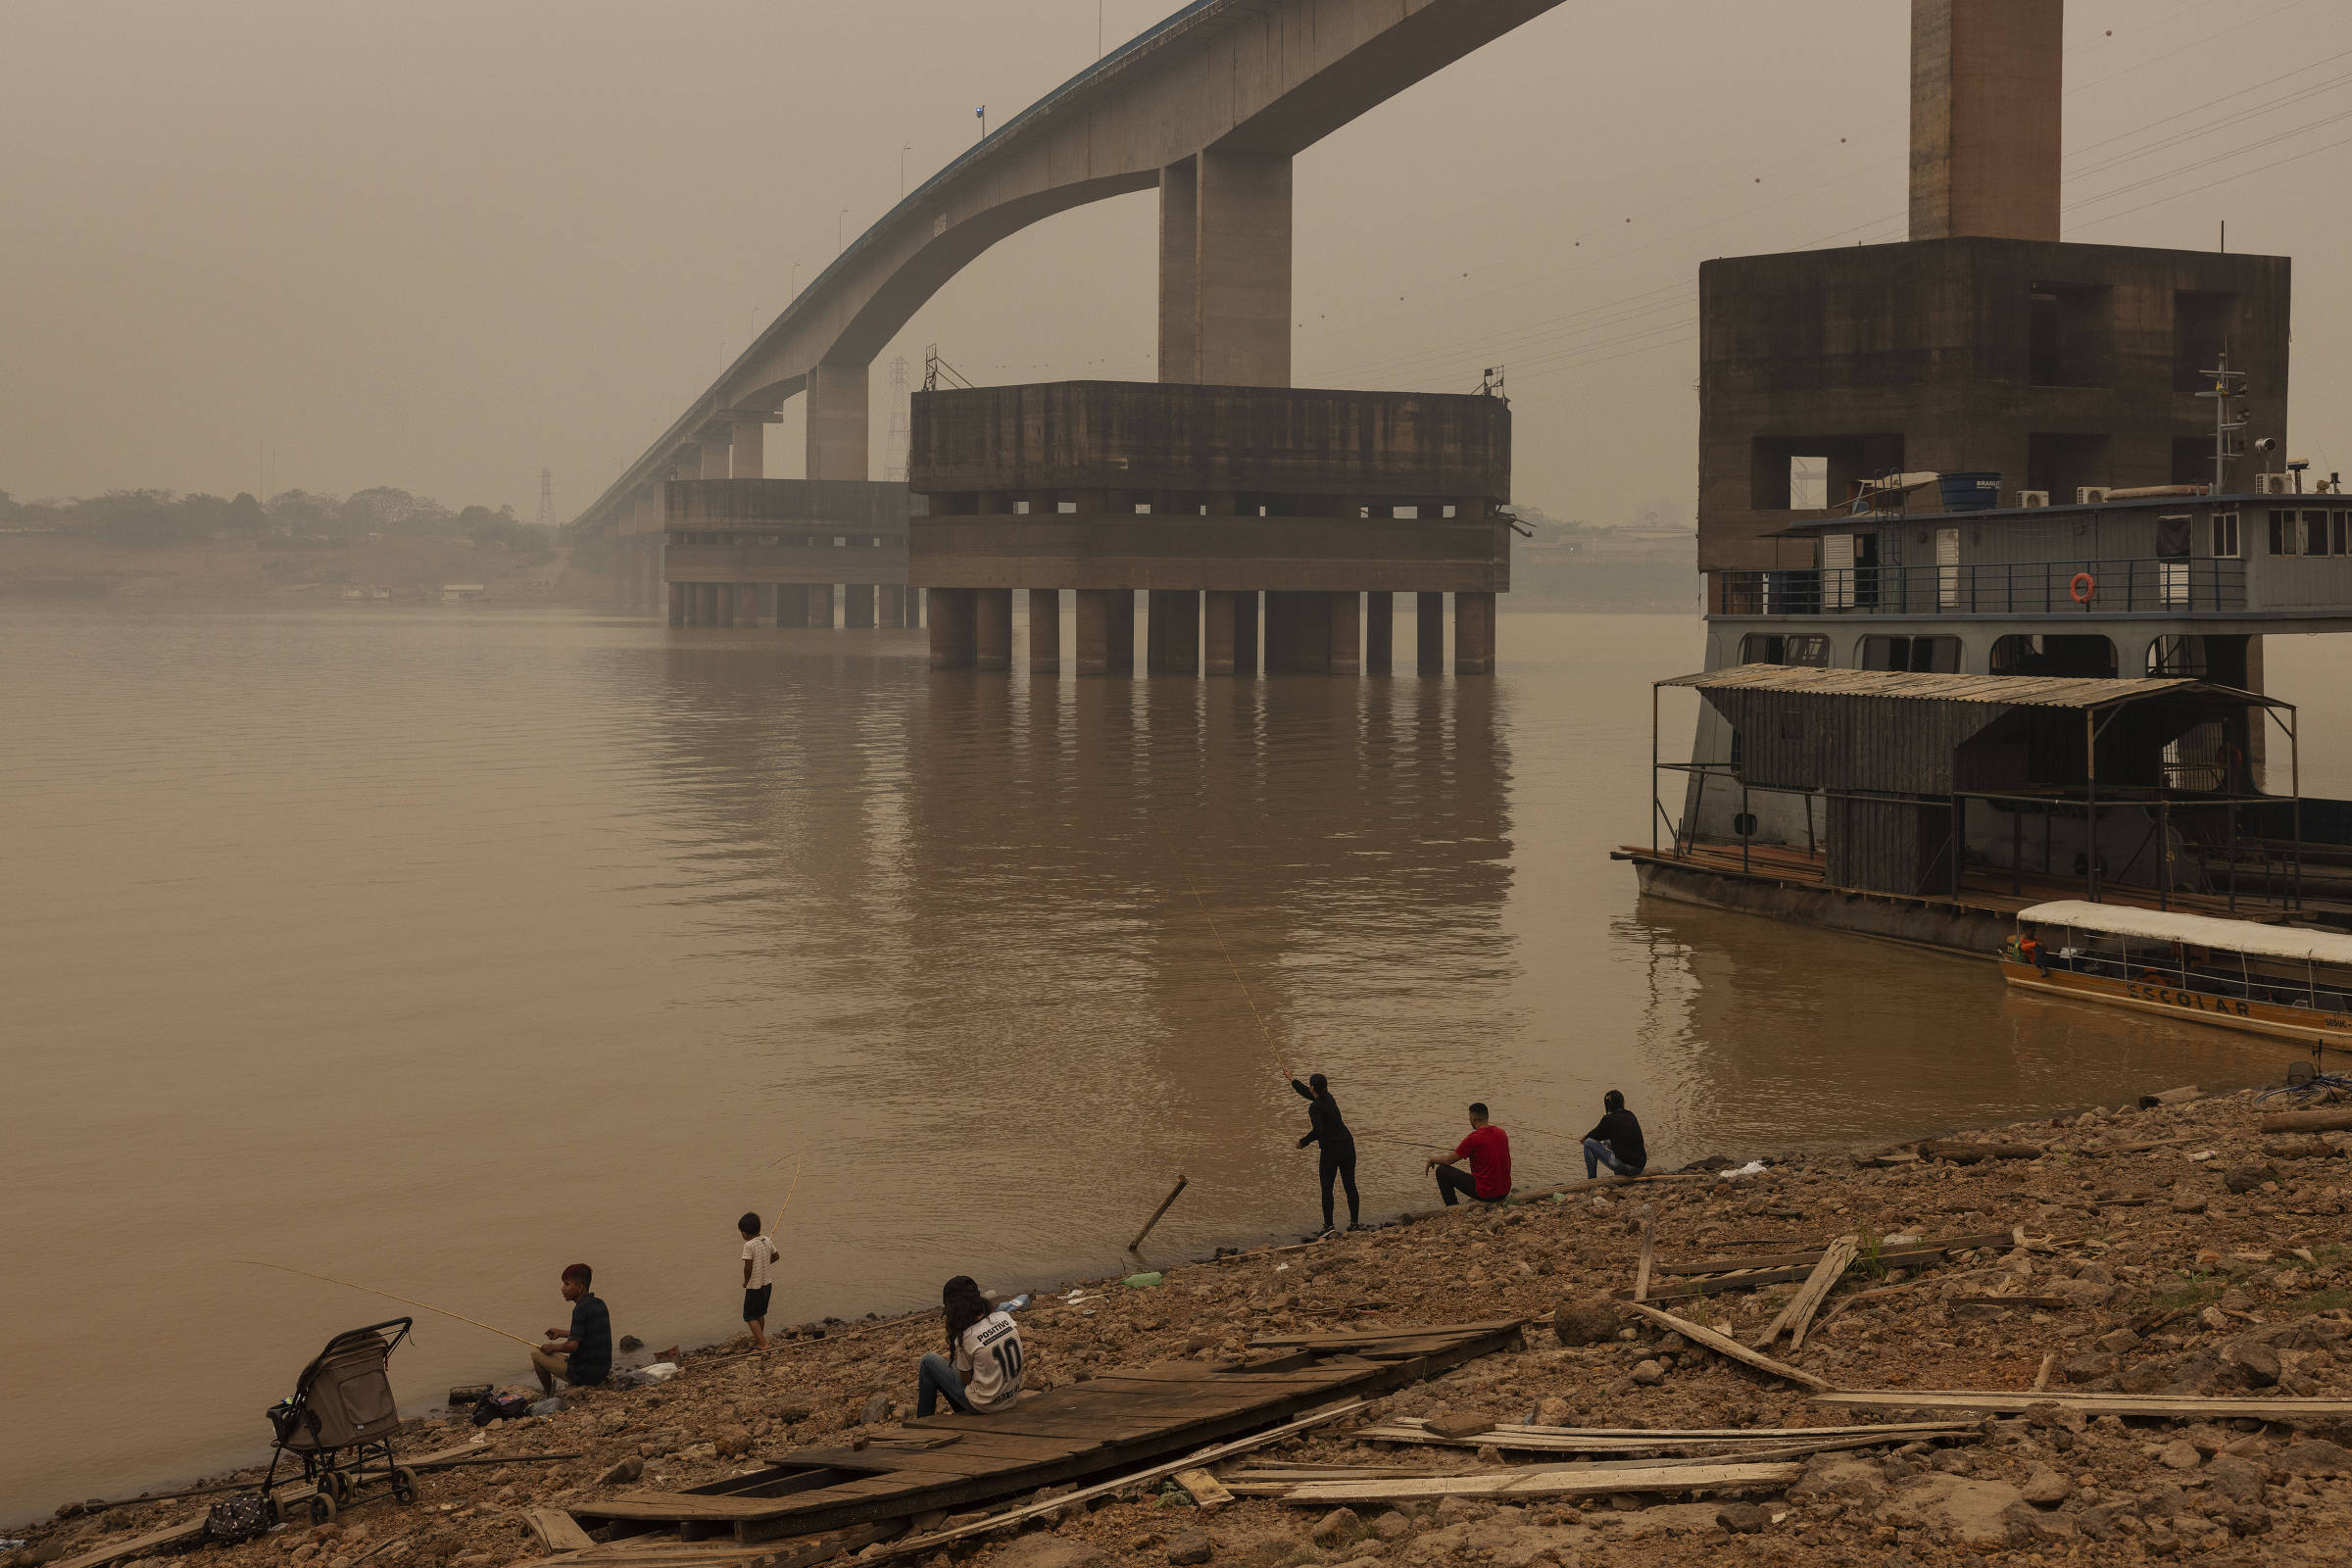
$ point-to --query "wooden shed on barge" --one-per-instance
(2131, 769)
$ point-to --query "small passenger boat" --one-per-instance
(2240, 974)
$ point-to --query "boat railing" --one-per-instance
(2144, 585)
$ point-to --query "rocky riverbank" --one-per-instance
(2173, 1251)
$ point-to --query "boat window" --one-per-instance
(2224, 536)
(2285, 537)
(1927, 655)
(2341, 534)
(2054, 654)
(1771, 647)
(2314, 533)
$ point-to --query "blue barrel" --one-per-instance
(1969, 492)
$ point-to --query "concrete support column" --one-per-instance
(1380, 634)
(1179, 268)
(857, 606)
(955, 627)
(1242, 284)
(1429, 634)
(1045, 631)
(1221, 612)
(889, 606)
(1299, 633)
(1985, 82)
(748, 457)
(1474, 634)
(1172, 633)
(993, 620)
(1346, 634)
(1106, 632)
(792, 605)
(837, 421)
(677, 603)
(820, 605)
(716, 459)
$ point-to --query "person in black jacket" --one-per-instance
(1327, 1129)
(1616, 1141)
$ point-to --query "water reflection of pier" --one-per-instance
(1010, 921)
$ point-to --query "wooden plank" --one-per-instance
(1797, 1315)
(2012, 1402)
(1807, 1258)
(2305, 1122)
(1563, 1480)
(180, 1534)
(1564, 1439)
(1723, 1345)
(1206, 1492)
(934, 1539)
(1378, 1337)
(556, 1530)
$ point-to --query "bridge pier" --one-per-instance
(992, 625)
(1380, 633)
(1172, 633)
(1045, 631)
(955, 627)
(857, 606)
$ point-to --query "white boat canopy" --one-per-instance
(2198, 930)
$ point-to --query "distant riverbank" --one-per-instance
(60, 565)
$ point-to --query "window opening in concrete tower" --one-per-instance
(2073, 655)
(1813, 472)
(1938, 655)
(2067, 335)
(2200, 336)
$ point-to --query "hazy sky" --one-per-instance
(443, 245)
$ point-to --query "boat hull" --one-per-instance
(2329, 1029)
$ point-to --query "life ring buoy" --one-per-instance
(2082, 587)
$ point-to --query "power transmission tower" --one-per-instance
(895, 456)
(547, 501)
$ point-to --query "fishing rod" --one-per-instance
(327, 1279)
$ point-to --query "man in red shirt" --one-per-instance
(1488, 1151)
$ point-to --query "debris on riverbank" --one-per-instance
(2146, 1312)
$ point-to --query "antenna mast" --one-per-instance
(2227, 420)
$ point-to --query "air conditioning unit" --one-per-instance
(2274, 484)
(2091, 495)
(2032, 498)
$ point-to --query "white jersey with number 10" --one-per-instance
(991, 1351)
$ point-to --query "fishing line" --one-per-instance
(390, 1297)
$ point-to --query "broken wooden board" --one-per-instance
(1547, 1481)
(653, 1552)
(556, 1530)
(1803, 1258)
(1081, 1430)
(1797, 1315)
(932, 1541)
(1520, 1437)
(186, 1532)
(1691, 1283)
(1207, 1491)
(1725, 1344)
(2181, 1407)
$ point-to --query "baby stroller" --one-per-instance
(339, 1418)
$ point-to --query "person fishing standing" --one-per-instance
(1335, 1146)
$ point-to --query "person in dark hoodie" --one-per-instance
(1327, 1129)
(1616, 1142)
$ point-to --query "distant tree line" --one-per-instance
(292, 518)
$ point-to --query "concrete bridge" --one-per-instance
(1209, 107)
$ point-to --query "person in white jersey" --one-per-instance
(757, 1253)
(982, 1369)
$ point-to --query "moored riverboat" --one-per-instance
(2276, 980)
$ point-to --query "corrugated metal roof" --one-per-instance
(2017, 691)
(2200, 930)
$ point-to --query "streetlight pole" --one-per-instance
(839, 219)
(902, 152)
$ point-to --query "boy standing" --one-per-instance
(757, 1253)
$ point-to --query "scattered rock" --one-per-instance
(2045, 1488)
(2256, 1359)
(1336, 1529)
(1187, 1547)
(2190, 1202)
(2178, 1454)
(627, 1470)
(1743, 1518)
(1391, 1526)
(1554, 1412)
(1044, 1550)
(2088, 1367)
(877, 1410)
(1585, 1319)
(1649, 1374)
(2317, 1457)
(2245, 1178)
